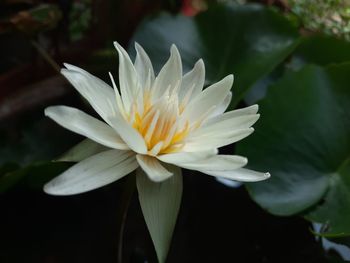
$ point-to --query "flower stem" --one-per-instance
(45, 56)
(126, 198)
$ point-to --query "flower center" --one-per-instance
(160, 123)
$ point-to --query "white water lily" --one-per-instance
(154, 125)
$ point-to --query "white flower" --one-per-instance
(155, 125)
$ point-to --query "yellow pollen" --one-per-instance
(164, 129)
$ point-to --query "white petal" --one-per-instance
(143, 65)
(156, 148)
(170, 75)
(83, 124)
(160, 204)
(217, 162)
(182, 157)
(210, 97)
(118, 98)
(128, 80)
(98, 93)
(81, 151)
(155, 171)
(94, 172)
(129, 135)
(222, 107)
(235, 123)
(195, 78)
(210, 141)
(251, 110)
(241, 174)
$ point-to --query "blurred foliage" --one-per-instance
(25, 155)
(32, 21)
(249, 48)
(331, 17)
(33, 176)
(80, 18)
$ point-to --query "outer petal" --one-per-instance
(210, 97)
(234, 123)
(99, 94)
(182, 157)
(82, 123)
(81, 151)
(241, 174)
(193, 80)
(94, 172)
(251, 110)
(128, 80)
(170, 75)
(210, 141)
(143, 65)
(155, 171)
(131, 136)
(217, 163)
(222, 107)
(160, 204)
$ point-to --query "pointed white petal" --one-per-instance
(81, 151)
(210, 141)
(160, 204)
(94, 172)
(235, 123)
(152, 167)
(182, 157)
(129, 135)
(170, 75)
(83, 124)
(94, 90)
(195, 78)
(241, 174)
(222, 107)
(128, 80)
(211, 96)
(118, 98)
(143, 65)
(217, 162)
(251, 110)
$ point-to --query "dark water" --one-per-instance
(216, 224)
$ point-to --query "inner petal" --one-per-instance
(158, 123)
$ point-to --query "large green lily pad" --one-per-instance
(334, 210)
(318, 49)
(248, 41)
(303, 139)
(321, 50)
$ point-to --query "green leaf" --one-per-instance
(160, 204)
(320, 50)
(8, 167)
(32, 176)
(334, 211)
(302, 139)
(81, 151)
(248, 41)
(34, 140)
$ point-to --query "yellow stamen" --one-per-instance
(157, 123)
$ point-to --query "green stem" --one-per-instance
(45, 56)
(126, 198)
